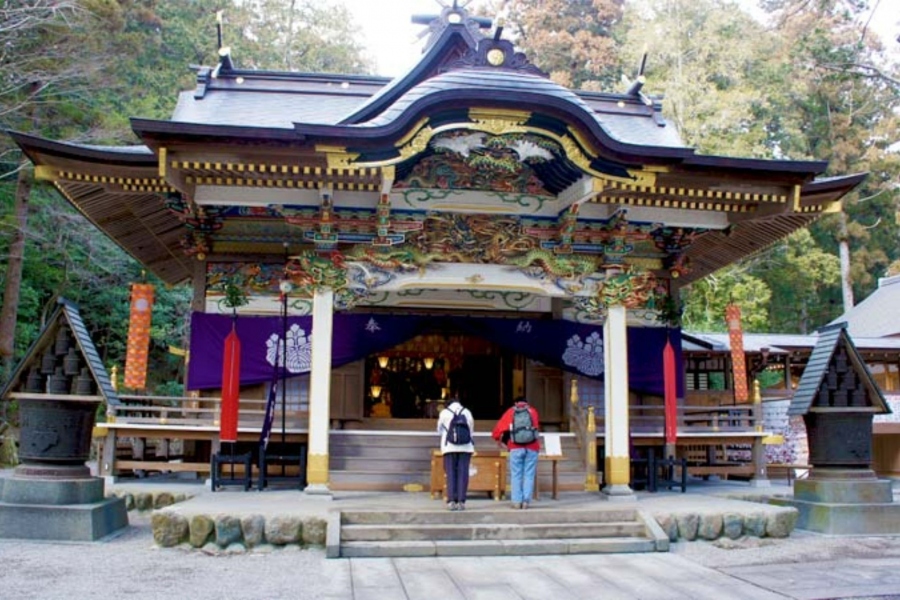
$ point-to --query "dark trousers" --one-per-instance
(456, 466)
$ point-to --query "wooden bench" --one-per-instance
(706, 460)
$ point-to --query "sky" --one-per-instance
(391, 37)
(389, 32)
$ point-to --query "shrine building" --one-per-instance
(469, 229)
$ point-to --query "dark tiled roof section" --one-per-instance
(629, 125)
(625, 119)
(89, 352)
(452, 41)
(815, 371)
(262, 108)
(877, 315)
(273, 98)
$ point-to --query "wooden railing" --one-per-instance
(196, 412)
(694, 419)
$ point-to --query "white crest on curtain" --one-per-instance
(298, 350)
(585, 356)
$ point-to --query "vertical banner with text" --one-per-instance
(138, 336)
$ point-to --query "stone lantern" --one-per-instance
(52, 494)
(838, 399)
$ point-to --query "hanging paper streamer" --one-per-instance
(671, 394)
(736, 338)
(138, 336)
(231, 387)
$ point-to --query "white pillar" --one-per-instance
(320, 392)
(617, 467)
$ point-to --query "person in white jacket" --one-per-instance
(456, 456)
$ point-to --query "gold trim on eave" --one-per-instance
(162, 162)
(337, 157)
(832, 207)
(44, 173)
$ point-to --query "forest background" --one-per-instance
(798, 79)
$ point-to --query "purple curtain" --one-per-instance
(570, 346)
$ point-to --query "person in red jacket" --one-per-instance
(517, 429)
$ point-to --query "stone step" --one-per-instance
(501, 515)
(384, 461)
(496, 547)
(395, 479)
(494, 531)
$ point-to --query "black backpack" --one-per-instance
(523, 431)
(458, 433)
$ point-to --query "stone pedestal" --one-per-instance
(844, 502)
(37, 508)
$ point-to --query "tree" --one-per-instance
(294, 35)
(704, 306)
(838, 102)
(42, 51)
(570, 39)
(811, 85)
(77, 70)
(703, 58)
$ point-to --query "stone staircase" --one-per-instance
(388, 460)
(496, 532)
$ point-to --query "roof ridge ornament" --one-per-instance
(498, 54)
(451, 15)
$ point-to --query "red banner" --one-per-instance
(231, 387)
(671, 394)
(138, 336)
(738, 363)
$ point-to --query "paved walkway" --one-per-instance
(804, 566)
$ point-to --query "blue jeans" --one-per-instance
(522, 468)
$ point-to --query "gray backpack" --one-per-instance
(522, 429)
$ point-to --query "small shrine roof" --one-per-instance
(65, 315)
(877, 315)
(820, 362)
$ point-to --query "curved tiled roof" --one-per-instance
(630, 124)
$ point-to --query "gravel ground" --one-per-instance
(130, 566)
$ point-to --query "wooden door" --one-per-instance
(348, 391)
(544, 391)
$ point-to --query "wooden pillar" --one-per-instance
(198, 285)
(320, 392)
(617, 471)
(760, 473)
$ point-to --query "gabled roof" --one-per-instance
(265, 140)
(836, 377)
(66, 316)
(878, 315)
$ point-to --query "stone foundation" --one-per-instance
(216, 534)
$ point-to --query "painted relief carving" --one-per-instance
(200, 221)
(464, 159)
